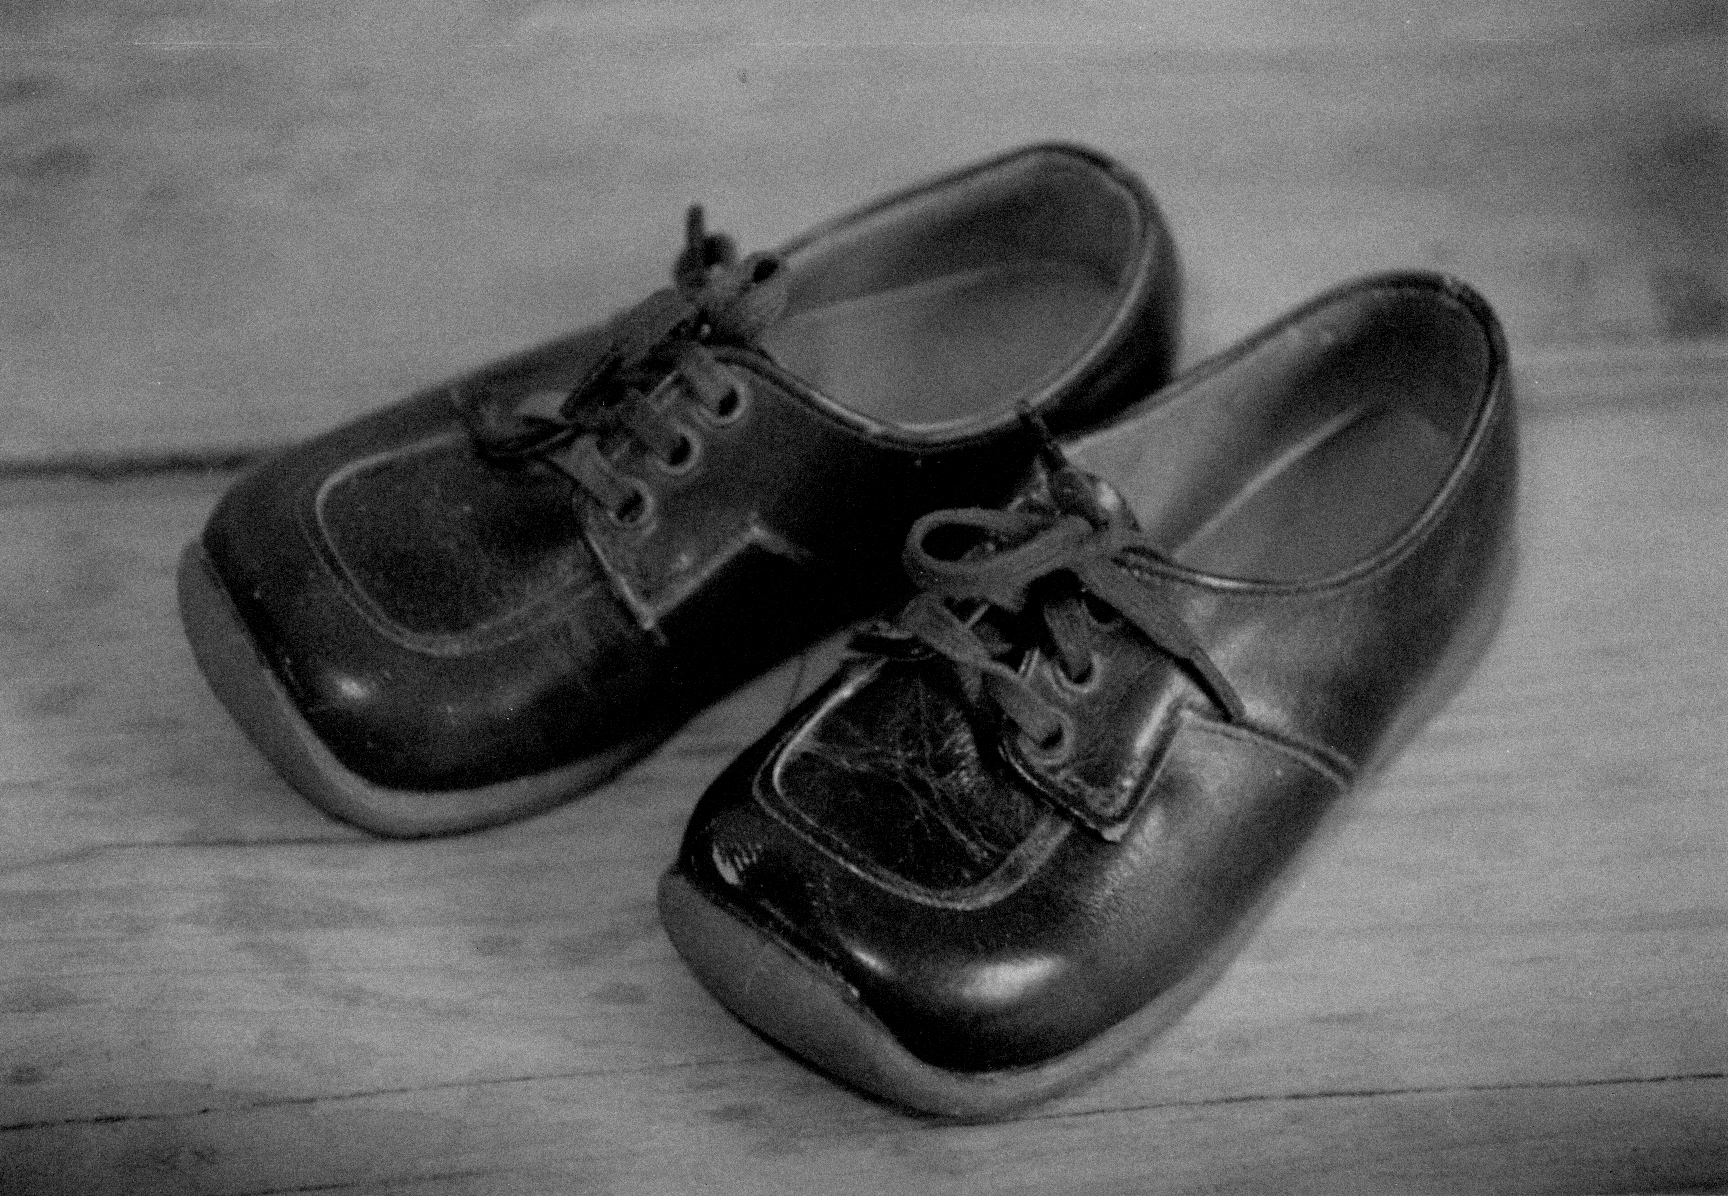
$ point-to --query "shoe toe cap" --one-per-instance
(1067, 938)
(426, 618)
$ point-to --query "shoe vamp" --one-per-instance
(899, 778)
(443, 543)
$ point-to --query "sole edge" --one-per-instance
(249, 690)
(813, 1015)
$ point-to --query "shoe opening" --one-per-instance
(953, 306)
(1316, 447)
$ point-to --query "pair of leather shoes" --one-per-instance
(1139, 637)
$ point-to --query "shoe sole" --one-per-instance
(812, 1013)
(248, 687)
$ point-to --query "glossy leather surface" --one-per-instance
(444, 621)
(1347, 481)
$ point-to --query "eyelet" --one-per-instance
(637, 511)
(1054, 751)
(1083, 684)
(683, 458)
(731, 407)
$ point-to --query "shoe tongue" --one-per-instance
(900, 778)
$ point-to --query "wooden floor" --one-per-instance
(1505, 968)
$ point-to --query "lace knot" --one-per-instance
(716, 298)
(1042, 561)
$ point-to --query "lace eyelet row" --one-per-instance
(731, 406)
(1056, 748)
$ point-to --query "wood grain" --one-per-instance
(236, 225)
(728, 1129)
(1502, 967)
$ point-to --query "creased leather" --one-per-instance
(899, 778)
(1084, 939)
(443, 568)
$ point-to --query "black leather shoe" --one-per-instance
(489, 598)
(1034, 817)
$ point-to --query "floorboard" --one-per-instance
(737, 1135)
(229, 226)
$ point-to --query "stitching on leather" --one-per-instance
(1019, 865)
(511, 626)
(1085, 802)
(1052, 830)
(651, 607)
(1187, 716)
(1315, 757)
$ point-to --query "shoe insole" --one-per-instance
(946, 349)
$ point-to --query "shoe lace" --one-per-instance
(1046, 565)
(716, 298)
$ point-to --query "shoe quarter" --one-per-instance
(770, 500)
(1341, 665)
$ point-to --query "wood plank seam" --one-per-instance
(1035, 1116)
(1634, 368)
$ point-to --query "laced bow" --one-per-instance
(1046, 565)
(716, 298)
